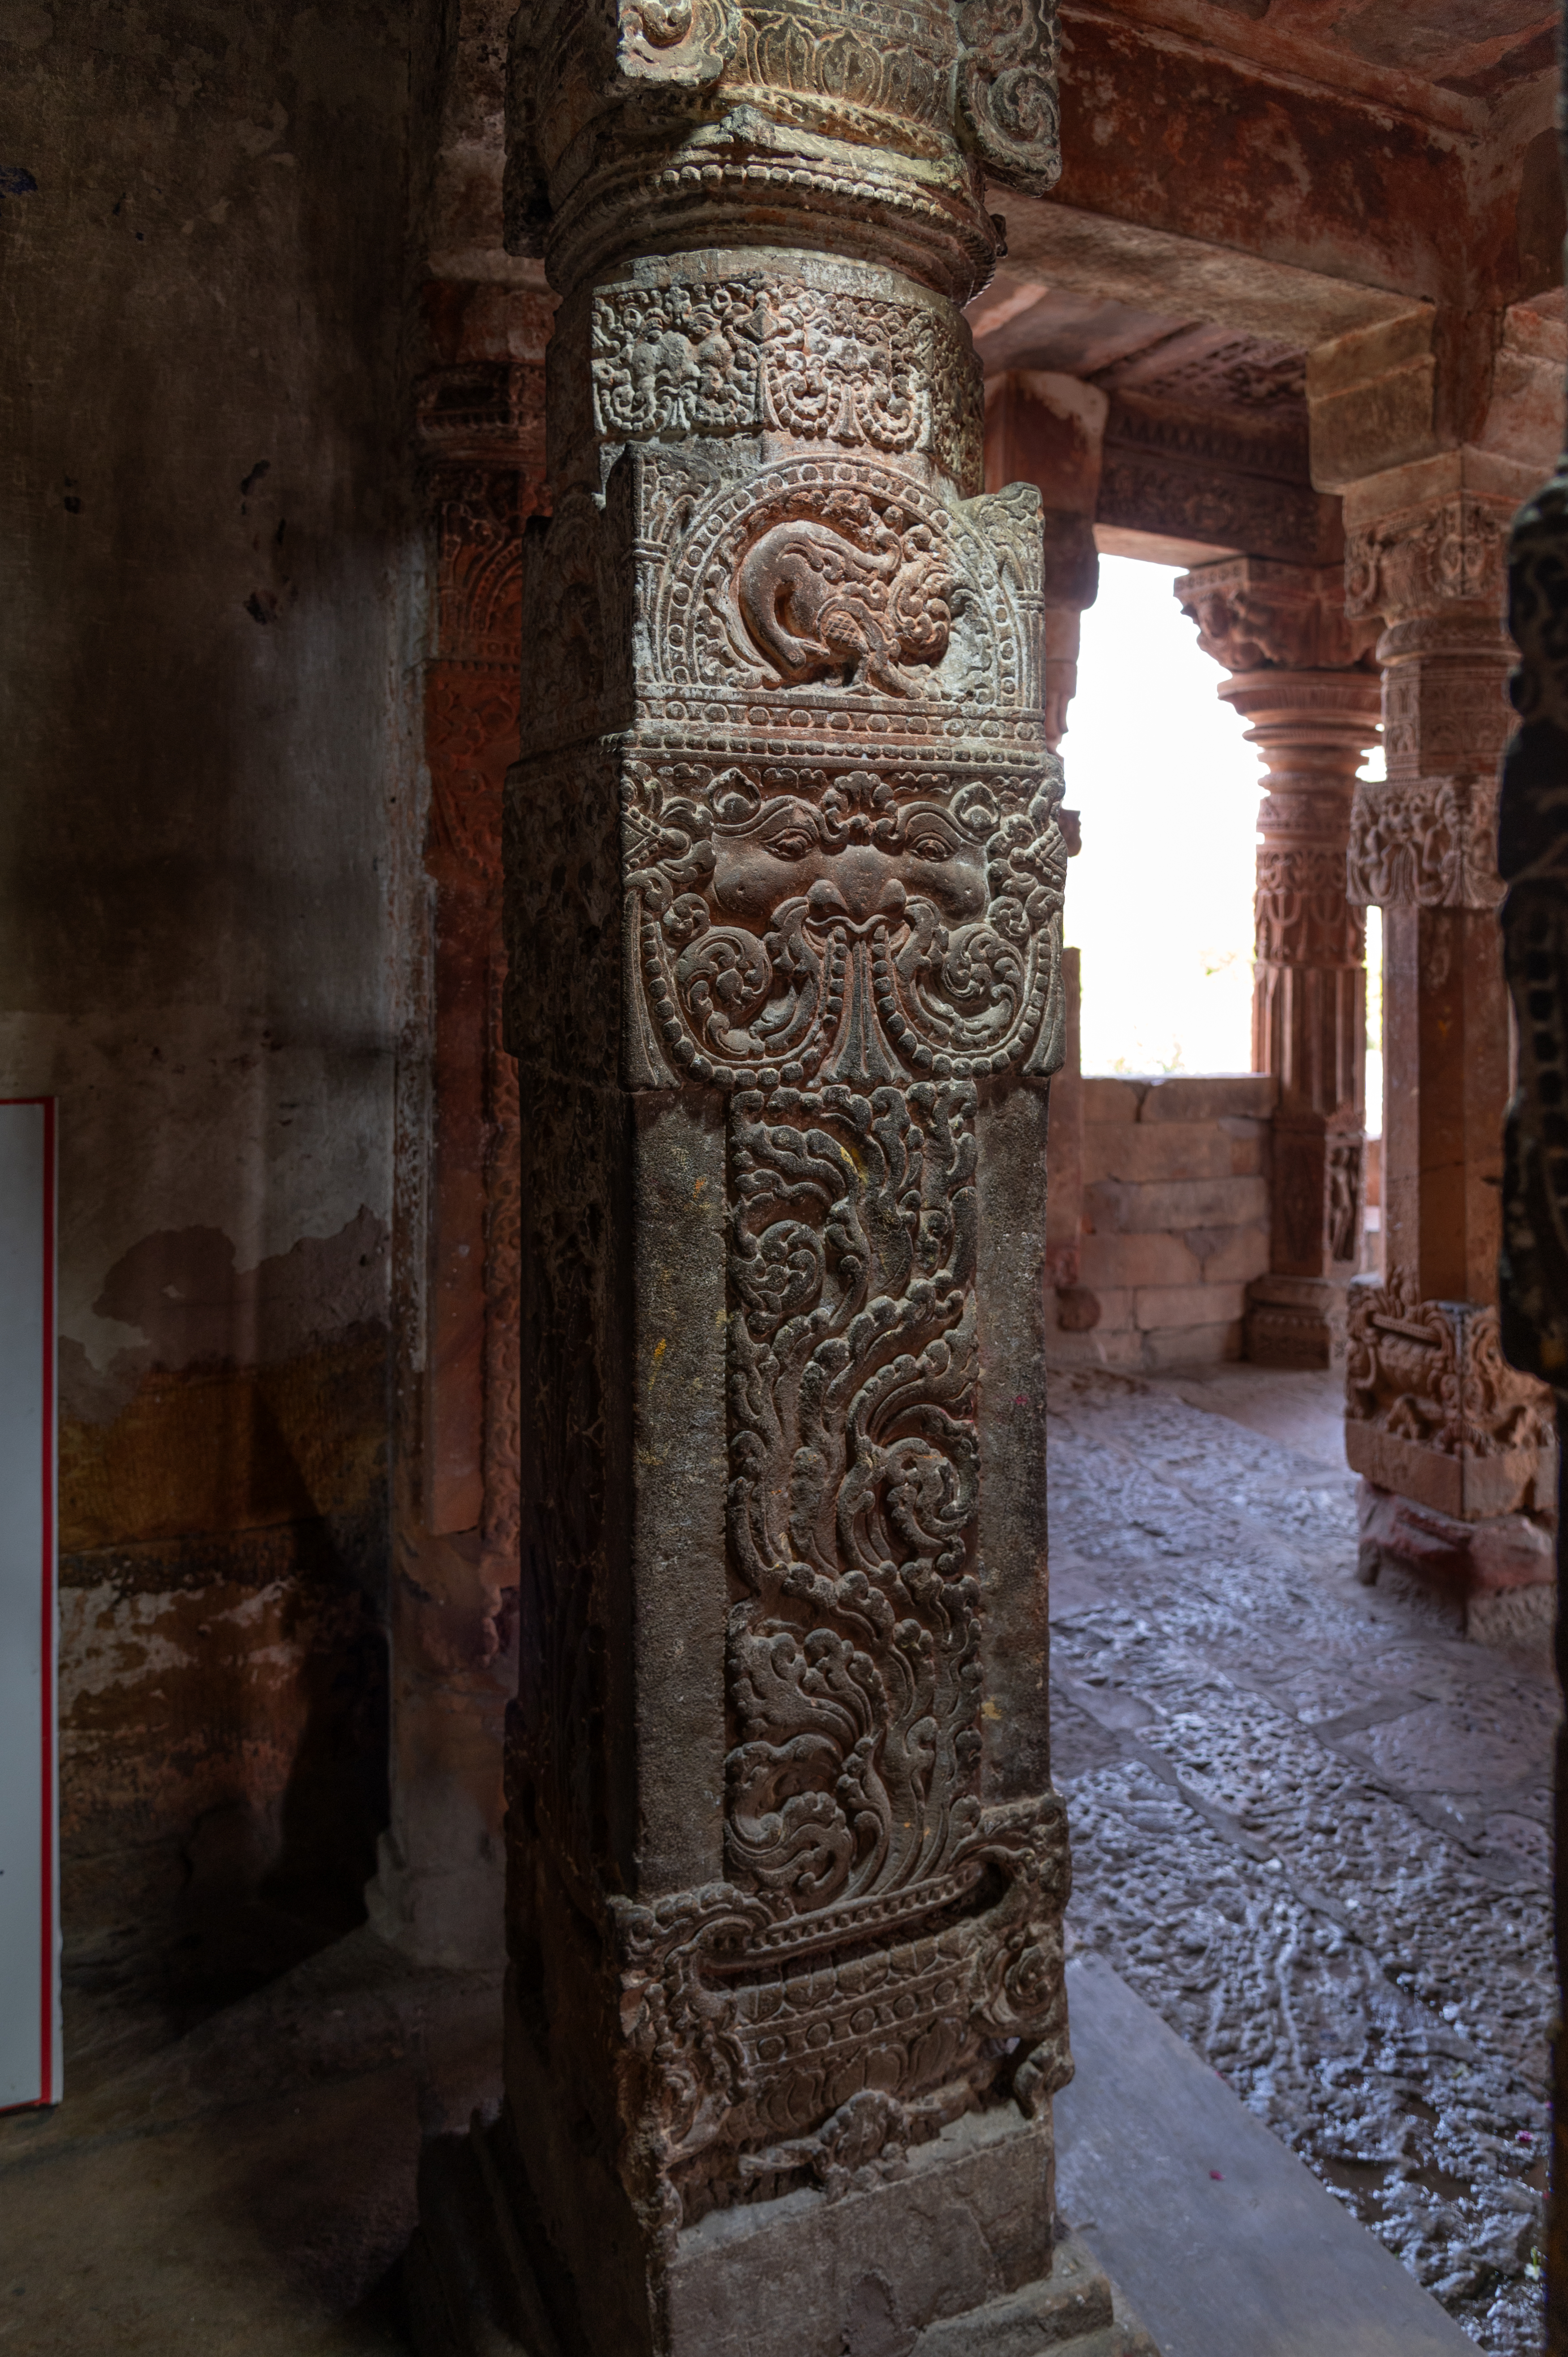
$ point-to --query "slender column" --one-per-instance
(784, 881)
(1455, 1446)
(479, 428)
(1302, 677)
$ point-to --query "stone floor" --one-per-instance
(1310, 1828)
(245, 2189)
(1310, 1823)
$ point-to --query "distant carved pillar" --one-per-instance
(438, 1893)
(1050, 431)
(784, 882)
(1302, 678)
(1455, 1446)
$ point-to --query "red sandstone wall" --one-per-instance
(1176, 1219)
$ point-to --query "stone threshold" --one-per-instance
(1227, 2244)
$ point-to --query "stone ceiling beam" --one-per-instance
(1177, 134)
(1072, 248)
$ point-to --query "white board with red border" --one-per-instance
(30, 2058)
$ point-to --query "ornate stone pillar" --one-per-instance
(479, 431)
(1454, 1446)
(1533, 856)
(1049, 430)
(1301, 675)
(784, 879)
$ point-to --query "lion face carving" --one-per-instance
(858, 925)
(853, 860)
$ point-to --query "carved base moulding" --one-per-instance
(955, 2259)
(1295, 1321)
(1436, 1413)
(1496, 1578)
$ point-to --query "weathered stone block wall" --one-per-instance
(1176, 1219)
(201, 913)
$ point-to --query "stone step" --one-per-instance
(1227, 2242)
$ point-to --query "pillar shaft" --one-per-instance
(1300, 677)
(1435, 1420)
(784, 883)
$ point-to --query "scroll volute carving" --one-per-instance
(1008, 51)
(566, 64)
(687, 43)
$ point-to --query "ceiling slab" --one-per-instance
(1067, 251)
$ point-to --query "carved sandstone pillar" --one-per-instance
(1050, 431)
(1533, 856)
(1301, 677)
(1454, 1446)
(784, 882)
(479, 428)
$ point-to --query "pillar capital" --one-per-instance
(1426, 542)
(1254, 615)
(639, 127)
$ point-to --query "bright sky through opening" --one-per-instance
(1160, 899)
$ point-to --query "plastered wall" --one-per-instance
(205, 895)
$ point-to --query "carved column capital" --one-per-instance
(1424, 559)
(640, 126)
(1254, 615)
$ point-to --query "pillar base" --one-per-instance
(1295, 1321)
(890, 2270)
(1496, 1578)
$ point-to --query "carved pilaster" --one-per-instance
(1424, 554)
(480, 463)
(1301, 677)
(784, 886)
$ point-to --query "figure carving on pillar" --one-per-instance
(1302, 676)
(784, 889)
